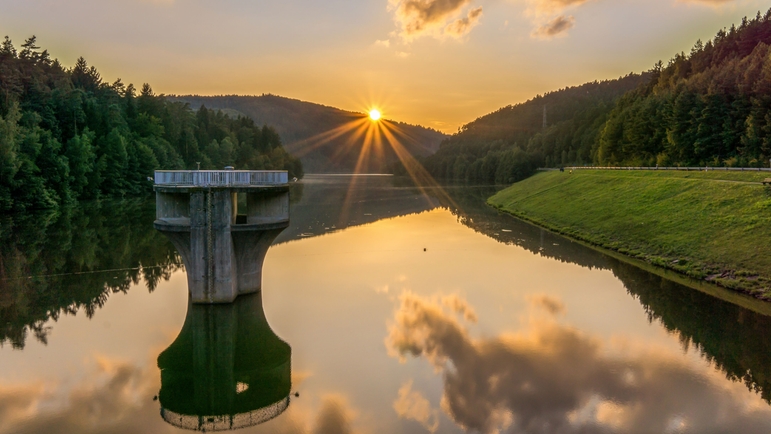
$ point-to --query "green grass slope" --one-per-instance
(714, 226)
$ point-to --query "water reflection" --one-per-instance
(550, 377)
(557, 371)
(226, 369)
(732, 337)
(59, 262)
(327, 204)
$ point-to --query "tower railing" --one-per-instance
(220, 178)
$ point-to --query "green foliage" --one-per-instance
(509, 144)
(707, 108)
(707, 225)
(711, 107)
(65, 134)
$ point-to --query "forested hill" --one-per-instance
(305, 129)
(66, 134)
(708, 107)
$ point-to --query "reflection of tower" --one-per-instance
(222, 245)
(226, 369)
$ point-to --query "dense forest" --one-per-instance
(711, 107)
(310, 131)
(66, 134)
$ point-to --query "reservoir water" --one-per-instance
(385, 308)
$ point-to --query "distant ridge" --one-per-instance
(710, 107)
(302, 126)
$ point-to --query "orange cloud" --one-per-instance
(437, 18)
(412, 405)
(556, 27)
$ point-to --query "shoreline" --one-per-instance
(655, 228)
(739, 298)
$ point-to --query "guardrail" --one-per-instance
(220, 178)
(729, 169)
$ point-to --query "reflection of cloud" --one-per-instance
(118, 399)
(438, 18)
(334, 416)
(557, 26)
(553, 305)
(19, 402)
(412, 405)
(555, 379)
(460, 306)
(112, 403)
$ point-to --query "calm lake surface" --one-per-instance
(384, 309)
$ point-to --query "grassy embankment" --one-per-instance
(713, 226)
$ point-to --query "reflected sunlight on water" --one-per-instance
(408, 318)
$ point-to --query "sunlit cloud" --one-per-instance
(550, 377)
(460, 306)
(556, 27)
(412, 405)
(549, 18)
(383, 43)
(335, 416)
(436, 18)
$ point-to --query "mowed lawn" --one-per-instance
(709, 225)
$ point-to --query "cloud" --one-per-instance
(412, 405)
(552, 378)
(334, 416)
(549, 18)
(383, 43)
(460, 306)
(550, 304)
(556, 27)
(437, 18)
(118, 400)
(462, 26)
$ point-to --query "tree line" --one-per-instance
(66, 134)
(710, 107)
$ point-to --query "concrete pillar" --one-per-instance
(223, 259)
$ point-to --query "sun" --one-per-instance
(374, 114)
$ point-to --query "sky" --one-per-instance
(437, 63)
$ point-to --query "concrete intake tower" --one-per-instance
(222, 223)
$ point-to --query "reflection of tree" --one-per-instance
(730, 336)
(61, 262)
(471, 210)
(733, 338)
